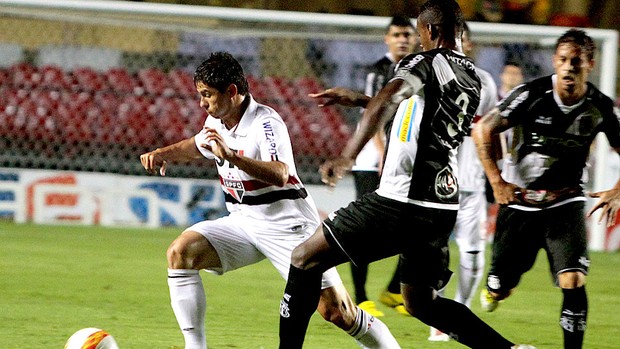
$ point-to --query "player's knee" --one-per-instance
(178, 256)
(336, 315)
(571, 279)
(472, 260)
(300, 257)
(419, 303)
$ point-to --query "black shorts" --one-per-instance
(519, 235)
(375, 227)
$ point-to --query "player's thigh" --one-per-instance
(231, 240)
(425, 260)
(368, 229)
(566, 242)
(518, 238)
(468, 230)
(277, 244)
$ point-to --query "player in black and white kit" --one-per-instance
(469, 231)
(417, 199)
(540, 189)
(270, 210)
(401, 41)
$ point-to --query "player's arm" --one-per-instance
(485, 133)
(609, 202)
(182, 151)
(379, 109)
(342, 96)
(270, 172)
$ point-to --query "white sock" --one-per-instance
(470, 273)
(372, 333)
(187, 297)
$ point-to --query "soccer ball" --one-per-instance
(91, 338)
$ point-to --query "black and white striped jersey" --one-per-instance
(551, 141)
(428, 127)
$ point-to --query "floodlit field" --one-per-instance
(55, 280)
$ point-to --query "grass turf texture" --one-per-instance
(55, 280)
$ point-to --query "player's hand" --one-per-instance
(333, 170)
(215, 144)
(342, 96)
(506, 193)
(152, 161)
(610, 204)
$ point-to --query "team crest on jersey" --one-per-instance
(233, 185)
(446, 186)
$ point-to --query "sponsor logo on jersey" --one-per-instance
(462, 62)
(404, 130)
(445, 184)
(271, 140)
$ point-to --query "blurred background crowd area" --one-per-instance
(91, 90)
(579, 13)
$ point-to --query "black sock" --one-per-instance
(462, 325)
(301, 298)
(359, 275)
(394, 285)
(573, 317)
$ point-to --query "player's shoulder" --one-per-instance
(599, 98)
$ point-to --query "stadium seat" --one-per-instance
(156, 82)
(123, 82)
(90, 80)
(24, 75)
(136, 124)
(4, 77)
(183, 83)
(54, 77)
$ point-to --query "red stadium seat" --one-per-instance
(183, 83)
(88, 79)
(156, 82)
(123, 82)
(54, 77)
(24, 75)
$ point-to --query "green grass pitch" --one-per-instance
(55, 280)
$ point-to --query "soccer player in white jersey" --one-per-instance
(469, 230)
(270, 210)
(417, 199)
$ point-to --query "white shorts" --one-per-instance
(240, 241)
(469, 230)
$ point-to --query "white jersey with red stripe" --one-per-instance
(470, 173)
(261, 135)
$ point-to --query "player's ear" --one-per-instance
(232, 90)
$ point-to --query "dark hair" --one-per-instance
(219, 71)
(580, 38)
(513, 64)
(400, 21)
(445, 17)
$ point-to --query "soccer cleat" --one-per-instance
(438, 336)
(487, 301)
(523, 346)
(391, 299)
(370, 308)
(401, 310)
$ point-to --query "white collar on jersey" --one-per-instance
(246, 119)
